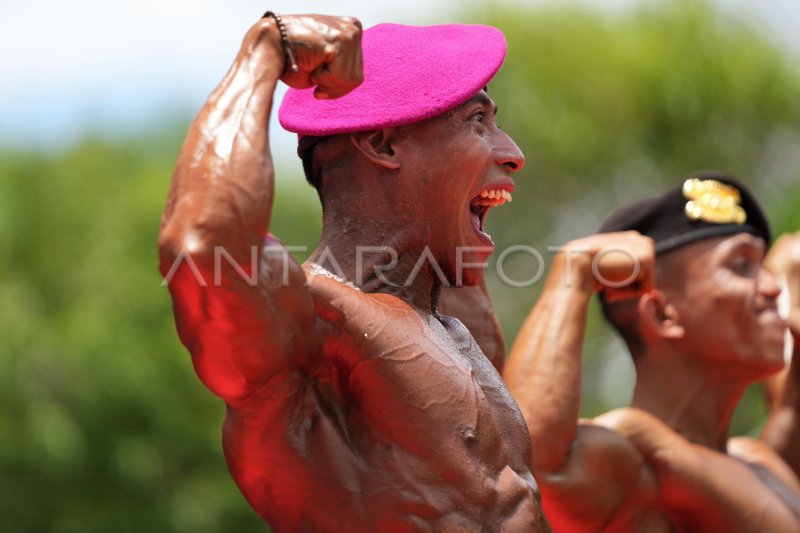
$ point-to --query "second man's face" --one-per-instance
(728, 305)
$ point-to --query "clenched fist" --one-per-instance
(619, 264)
(326, 50)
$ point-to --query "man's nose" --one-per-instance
(508, 153)
(768, 284)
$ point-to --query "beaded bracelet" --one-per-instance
(284, 40)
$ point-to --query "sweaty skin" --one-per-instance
(782, 431)
(665, 463)
(473, 307)
(347, 409)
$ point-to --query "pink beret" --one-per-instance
(411, 73)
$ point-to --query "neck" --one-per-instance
(694, 400)
(380, 261)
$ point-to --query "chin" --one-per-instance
(470, 270)
(467, 261)
(773, 354)
(471, 277)
(768, 359)
(770, 369)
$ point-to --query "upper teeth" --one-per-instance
(492, 197)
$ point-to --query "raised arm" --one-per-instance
(782, 431)
(239, 300)
(544, 368)
(543, 373)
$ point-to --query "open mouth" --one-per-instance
(480, 205)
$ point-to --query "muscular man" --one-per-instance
(782, 431)
(698, 313)
(472, 306)
(352, 403)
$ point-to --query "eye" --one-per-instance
(744, 265)
(479, 117)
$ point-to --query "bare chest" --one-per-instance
(425, 379)
(402, 416)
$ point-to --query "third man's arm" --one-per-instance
(782, 431)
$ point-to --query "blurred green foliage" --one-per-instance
(104, 425)
(612, 107)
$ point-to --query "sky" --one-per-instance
(115, 66)
(72, 66)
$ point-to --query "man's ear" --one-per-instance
(377, 146)
(658, 317)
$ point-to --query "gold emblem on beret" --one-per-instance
(713, 201)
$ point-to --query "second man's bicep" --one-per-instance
(602, 472)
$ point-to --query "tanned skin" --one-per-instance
(702, 335)
(473, 307)
(348, 409)
(782, 431)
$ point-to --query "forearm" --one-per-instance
(782, 432)
(214, 227)
(544, 368)
(222, 188)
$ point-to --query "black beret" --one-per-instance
(702, 206)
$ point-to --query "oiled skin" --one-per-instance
(665, 463)
(348, 410)
(473, 307)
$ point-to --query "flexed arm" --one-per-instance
(586, 471)
(240, 305)
(782, 431)
(544, 368)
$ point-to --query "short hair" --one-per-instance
(325, 156)
(622, 315)
(312, 171)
